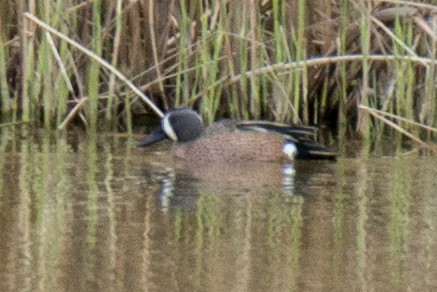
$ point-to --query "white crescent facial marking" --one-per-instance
(168, 129)
(290, 149)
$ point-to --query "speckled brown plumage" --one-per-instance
(232, 147)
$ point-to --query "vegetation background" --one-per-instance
(361, 69)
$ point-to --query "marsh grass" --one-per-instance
(295, 61)
(6, 107)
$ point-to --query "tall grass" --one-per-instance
(404, 74)
(183, 86)
(363, 125)
(93, 71)
(243, 59)
(343, 80)
(5, 100)
(110, 108)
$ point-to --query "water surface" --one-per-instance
(95, 213)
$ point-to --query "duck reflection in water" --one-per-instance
(180, 187)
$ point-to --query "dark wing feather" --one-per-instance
(304, 138)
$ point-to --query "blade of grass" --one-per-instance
(4, 87)
(110, 109)
(392, 125)
(390, 115)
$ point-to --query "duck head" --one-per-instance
(180, 125)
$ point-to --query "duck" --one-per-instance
(229, 141)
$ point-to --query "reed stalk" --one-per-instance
(110, 108)
(363, 124)
(254, 59)
(94, 67)
(342, 95)
(182, 79)
(281, 85)
(299, 92)
(404, 74)
(4, 87)
(28, 60)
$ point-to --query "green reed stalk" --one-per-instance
(62, 89)
(342, 96)
(404, 76)
(110, 108)
(300, 55)
(281, 85)
(5, 21)
(202, 71)
(428, 111)
(210, 51)
(44, 70)
(243, 53)
(363, 120)
(229, 65)
(27, 62)
(255, 59)
(4, 87)
(233, 96)
(182, 78)
(94, 67)
(278, 16)
(410, 76)
(264, 85)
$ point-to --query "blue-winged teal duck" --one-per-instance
(230, 141)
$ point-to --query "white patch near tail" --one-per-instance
(290, 149)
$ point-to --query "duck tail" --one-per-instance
(304, 137)
(313, 150)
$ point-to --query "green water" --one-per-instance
(84, 213)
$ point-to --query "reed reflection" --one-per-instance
(88, 218)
